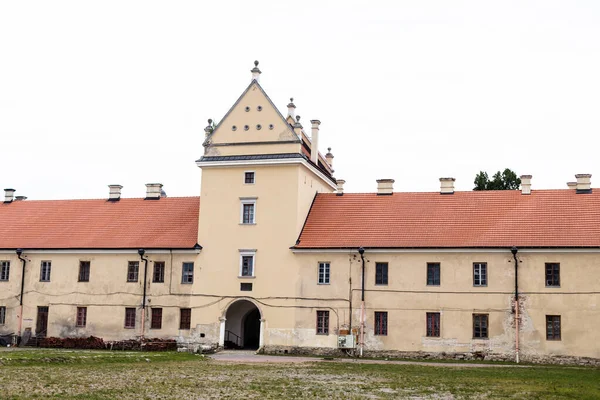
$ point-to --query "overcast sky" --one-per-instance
(100, 92)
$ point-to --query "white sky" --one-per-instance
(101, 92)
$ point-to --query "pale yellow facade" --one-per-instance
(286, 295)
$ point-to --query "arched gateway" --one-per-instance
(241, 327)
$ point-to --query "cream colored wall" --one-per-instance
(274, 148)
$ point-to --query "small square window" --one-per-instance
(480, 326)
(185, 318)
(81, 317)
(324, 273)
(552, 327)
(84, 271)
(156, 322)
(133, 268)
(552, 274)
(433, 324)
(45, 270)
(249, 177)
(433, 274)
(246, 287)
(187, 274)
(381, 323)
(130, 318)
(4, 270)
(479, 274)
(159, 272)
(322, 322)
(381, 273)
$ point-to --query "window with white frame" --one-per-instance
(248, 211)
(187, 272)
(479, 274)
(324, 273)
(4, 270)
(247, 263)
(45, 271)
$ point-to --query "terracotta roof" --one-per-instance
(170, 222)
(546, 218)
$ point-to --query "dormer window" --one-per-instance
(249, 177)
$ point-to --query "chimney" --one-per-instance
(9, 195)
(20, 198)
(526, 184)
(385, 186)
(584, 183)
(572, 185)
(255, 72)
(153, 191)
(447, 185)
(340, 187)
(314, 147)
(114, 192)
(329, 157)
(291, 108)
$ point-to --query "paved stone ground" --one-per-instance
(248, 356)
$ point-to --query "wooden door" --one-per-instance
(41, 328)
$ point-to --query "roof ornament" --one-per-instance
(297, 124)
(209, 129)
(255, 72)
(291, 108)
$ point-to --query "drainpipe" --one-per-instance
(141, 252)
(361, 251)
(514, 251)
(24, 261)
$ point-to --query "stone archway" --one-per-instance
(242, 326)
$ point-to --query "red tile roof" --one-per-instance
(170, 222)
(546, 218)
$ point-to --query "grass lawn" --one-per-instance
(65, 374)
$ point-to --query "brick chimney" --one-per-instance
(447, 185)
(9, 195)
(114, 192)
(340, 186)
(526, 184)
(153, 191)
(314, 147)
(385, 186)
(584, 183)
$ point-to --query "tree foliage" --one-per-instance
(505, 180)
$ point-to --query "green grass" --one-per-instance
(56, 374)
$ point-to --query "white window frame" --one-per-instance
(326, 273)
(45, 270)
(253, 177)
(244, 201)
(4, 271)
(247, 253)
(478, 266)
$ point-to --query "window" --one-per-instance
(248, 210)
(249, 177)
(324, 273)
(245, 287)
(552, 327)
(156, 322)
(433, 324)
(247, 265)
(433, 274)
(2, 315)
(552, 274)
(84, 271)
(159, 272)
(381, 273)
(480, 326)
(185, 318)
(132, 271)
(4, 270)
(81, 317)
(322, 322)
(479, 274)
(45, 271)
(381, 323)
(130, 318)
(187, 274)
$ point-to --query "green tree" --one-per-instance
(505, 180)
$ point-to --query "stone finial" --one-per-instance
(255, 72)
(291, 108)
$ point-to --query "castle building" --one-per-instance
(274, 255)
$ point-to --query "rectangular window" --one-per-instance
(185, 318)
(247, 268)
(81, 316)
(248, 177)
(45, 271)
(479, 274)
(553, 274)
(4, 270)
(433, 274)
(324, 272)
(248, 213)
(552, 327)
(381, 273)
(322, 322)
(245, 287)
(159, 272)
(129, 318)
(480, 326)
(84, 271)
(133, 268)
(381, 321)
(433, 324)
(2, 315)
(187, 274)
(156, 322)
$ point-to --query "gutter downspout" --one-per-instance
(514, 252)
(361, 251)
(141, 252)
(19, 252)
